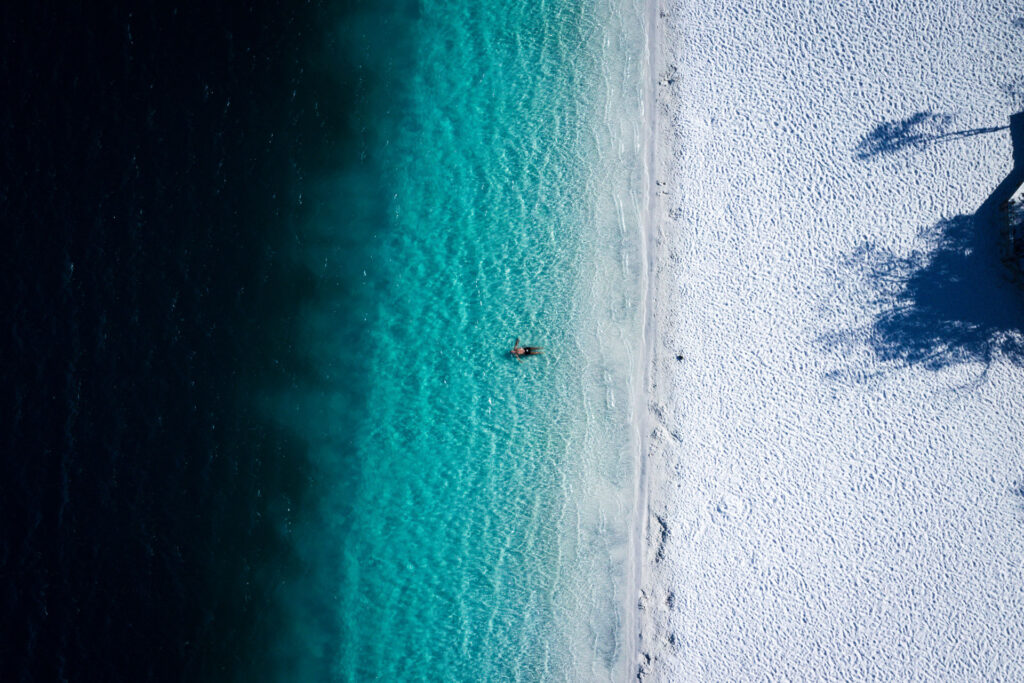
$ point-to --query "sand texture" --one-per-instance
(836, 487)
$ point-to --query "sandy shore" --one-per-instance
(833, 473)
(653, 218)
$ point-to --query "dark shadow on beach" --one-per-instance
(951, 300)
(914, 132)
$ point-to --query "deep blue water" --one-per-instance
(153, 157)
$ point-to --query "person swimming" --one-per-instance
(520, 351)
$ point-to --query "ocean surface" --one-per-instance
(262, 270)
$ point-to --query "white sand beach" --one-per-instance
(835, 483)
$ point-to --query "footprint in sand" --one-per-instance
(728, 508)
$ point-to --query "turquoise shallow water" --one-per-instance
(473, 515)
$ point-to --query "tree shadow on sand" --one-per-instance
(950, 301)
(917, 132)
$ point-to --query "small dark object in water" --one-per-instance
(520, 351)
(679, 357)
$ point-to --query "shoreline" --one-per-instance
(650, 227)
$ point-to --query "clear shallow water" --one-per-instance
(475, 513)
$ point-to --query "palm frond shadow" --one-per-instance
(949, 301)
(914, 132)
